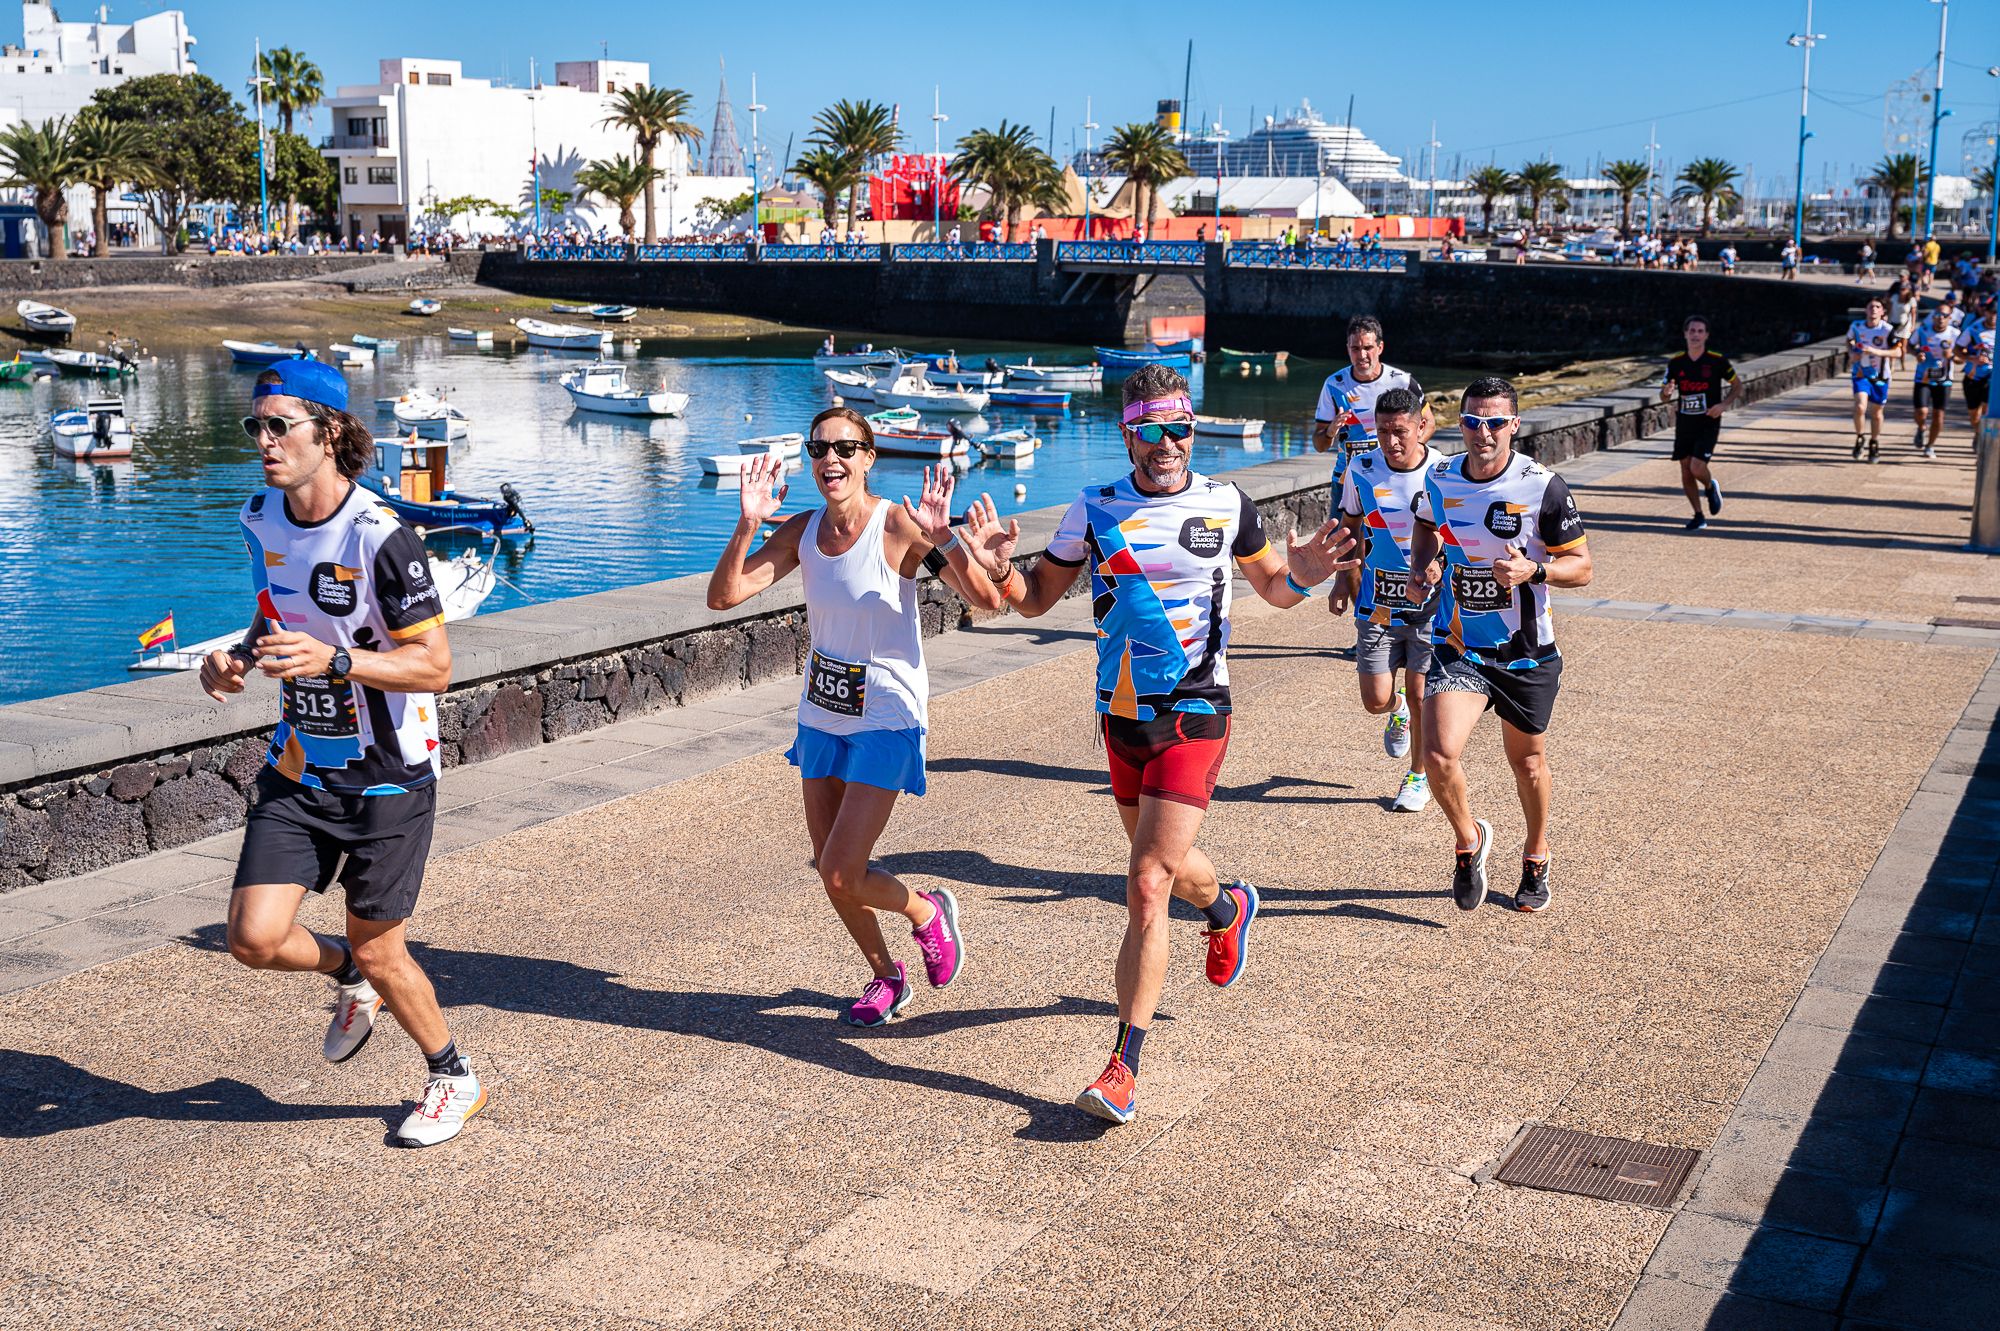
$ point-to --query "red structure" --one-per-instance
(905, 191)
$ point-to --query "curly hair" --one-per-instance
(350, 438)
(1150, 382)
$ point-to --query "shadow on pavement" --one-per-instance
(42, 1094)
(1262, 792)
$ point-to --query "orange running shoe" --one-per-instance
(1229, 948)
(1114, 1095)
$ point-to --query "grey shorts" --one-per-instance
(1381, 648)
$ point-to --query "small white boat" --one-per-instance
(481, 337)
(560, 308)
(45, 320)
(264, 353)
(563, 337)
(848, 360)
(787, 444)
(431, 418)
(425, 306)
(614, 314)
(931, 444)
(854, 385)
(968, 378)
(1063, 376)
(96, 430)
(1015, 446)
(379, 343)
(1229, 427)
(345, 354)
(896, 418)
(88, 362)
(911, 388)
(602, 387)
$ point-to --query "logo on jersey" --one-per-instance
(416, 569)
(1504, 520)
(367, 518)
(1201, 536)
(332, 588)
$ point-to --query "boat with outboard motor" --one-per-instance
(413, 477)
(265, 353)
(95, 431)
(92, 362)
(602, 387)
(908, 386)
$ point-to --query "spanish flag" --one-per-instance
(162, 632)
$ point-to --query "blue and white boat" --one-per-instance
(1115, 359)
(426, 306)
(379, 343)
(265, 353)
(413, 477)
(1190, 345)
(1048, 399)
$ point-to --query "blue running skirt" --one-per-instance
(889, 759)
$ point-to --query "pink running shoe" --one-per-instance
(881, 1001)
(939, 940)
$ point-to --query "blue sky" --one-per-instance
(1511, 82)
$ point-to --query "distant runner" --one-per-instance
(1344, 419)
(1864, 268)
(1161, 544)
(1391, 631)
(863, 706)
(1707, 386)
(1936, 346)
(1975, 345)
(1495, 530)
(1871, 341)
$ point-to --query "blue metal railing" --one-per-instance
(1270, 255)
(983, 251)
(1150, 253)
(576, 253)
(728, 250)
(837, 252)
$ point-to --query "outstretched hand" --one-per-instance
(764, 488)
(987, 543)
(932, 511)
(1321, 555)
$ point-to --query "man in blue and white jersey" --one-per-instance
(1935, 344)
(1344, 419)
(1391, 628)
(1494, 530)
(1975, 348)
(1871, 342)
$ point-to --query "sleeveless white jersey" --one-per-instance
(866, 671)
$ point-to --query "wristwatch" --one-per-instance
(1540, 575)
(341, 664)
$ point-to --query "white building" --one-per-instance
(59, 66)
(426, 133)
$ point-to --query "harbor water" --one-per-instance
(93, 554)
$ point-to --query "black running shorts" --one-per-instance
(1524, 699)
(297, 834)
(1932, 396)
(1975, 396)
(1695, 435)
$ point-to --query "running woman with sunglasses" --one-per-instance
(350, 624)
(1495, 529)
(1159, 543)
(862, 711)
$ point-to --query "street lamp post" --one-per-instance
(938, 117)
(756, 166)
(1431, 201)
(1938, 114)
(263, 175)
(1652, 146)
(1089, 147)
(1993, 187)
(1805, 41)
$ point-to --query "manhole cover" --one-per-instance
(1558, 1160)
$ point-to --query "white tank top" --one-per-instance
(866, 671)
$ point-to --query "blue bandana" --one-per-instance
(309, 381)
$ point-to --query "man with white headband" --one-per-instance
(1160, 542)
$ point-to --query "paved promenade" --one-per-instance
(1774, 940)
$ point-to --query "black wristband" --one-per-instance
(1541, 574)
(935, 562)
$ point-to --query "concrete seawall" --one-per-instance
(92, 778)
(184, 270)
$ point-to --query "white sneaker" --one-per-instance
(354, 1009)
(441, 1115)
(1396, 735)
(1415, 795)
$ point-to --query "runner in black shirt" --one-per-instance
(1707, 386)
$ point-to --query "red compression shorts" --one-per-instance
(1173, 757)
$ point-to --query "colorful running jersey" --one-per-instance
(1350, 408)
(358, 579)
(1525, 506)
(1700, 383)
(1933, 346)
(1159, 589)
(1381, 497)
(1977, 339)
(1876, 342)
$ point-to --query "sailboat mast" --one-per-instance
(1187, 85)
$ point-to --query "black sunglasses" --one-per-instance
(847, 448)
(275, 426)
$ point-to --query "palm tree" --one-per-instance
(108, 153)
(1899, 177)
(1628, 177)
(857, 131)
(653, 115)
(829, 173)
(1711, 180)
(619, 180)
(1538, 180)
(292, 84)
(1146, 154)
(40, 158)
(1490, 183)
(1012, 168)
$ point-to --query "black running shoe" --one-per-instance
(1714, 496)
(1860, 442)
(1468, 879)
(1874, 450)
(1697, 522)
(1533, 893)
